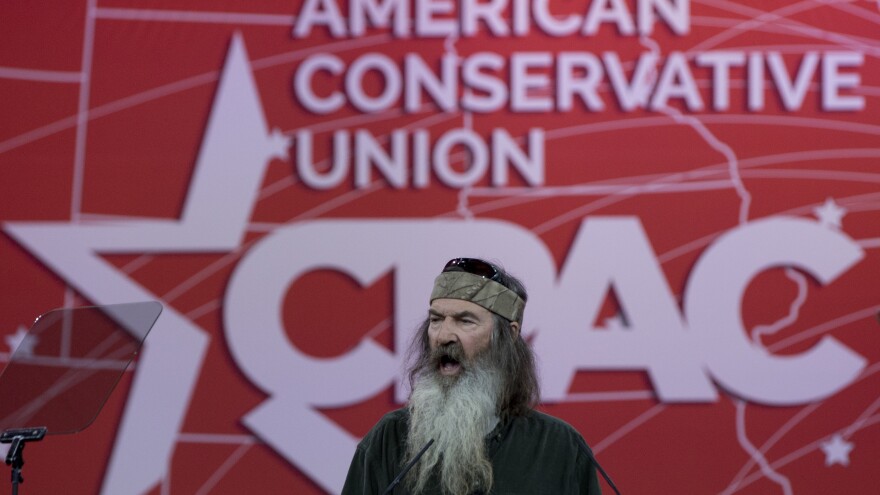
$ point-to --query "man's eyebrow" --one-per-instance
(465, 314)
(459, 315)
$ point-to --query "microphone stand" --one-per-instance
(17, 439)
(602, 471)
(407, 468)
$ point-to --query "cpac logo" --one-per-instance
(682, 351)
(681, 354)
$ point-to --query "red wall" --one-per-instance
(689, 190)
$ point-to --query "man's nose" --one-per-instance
(447, 333)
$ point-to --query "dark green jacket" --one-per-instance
(534, 454)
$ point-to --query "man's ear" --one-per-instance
(514, 328)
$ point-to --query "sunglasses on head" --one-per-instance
(473, 266)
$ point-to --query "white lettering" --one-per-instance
(475, 148)
(530, 91)
(713, 304)
(634, 94)
(421, 159)
(505, 151)
(494, 88)
(756, 82)
(433, 18)
(611, 11)
(305, 165)
(319, 13)
(615, 252)
(721, 62)
(676, 81)
(354, 80)
(441, 18)
(568, 84)
(502, 153)
(379, 14)
(551, 24)
(792, 93)
(833, 81)
(676, 14)
(419, 76)
(545, 81)
(521, 16)
(302, 84)
(368, 151)
(490, 12)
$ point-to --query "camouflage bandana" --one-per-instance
(481, 291)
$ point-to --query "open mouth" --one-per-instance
(449, 365)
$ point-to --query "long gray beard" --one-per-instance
(457, 416)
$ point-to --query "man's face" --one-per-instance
(454, 321)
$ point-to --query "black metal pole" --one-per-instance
(17, 439)
(15, 458)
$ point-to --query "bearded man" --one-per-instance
(474, 388)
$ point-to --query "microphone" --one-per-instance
(406, 468)
(601, 471)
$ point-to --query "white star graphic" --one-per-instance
(235, 149)
(830, 214)
(616, 322)
(837, 450)
(18, 343)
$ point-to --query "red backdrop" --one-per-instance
(688, 188)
